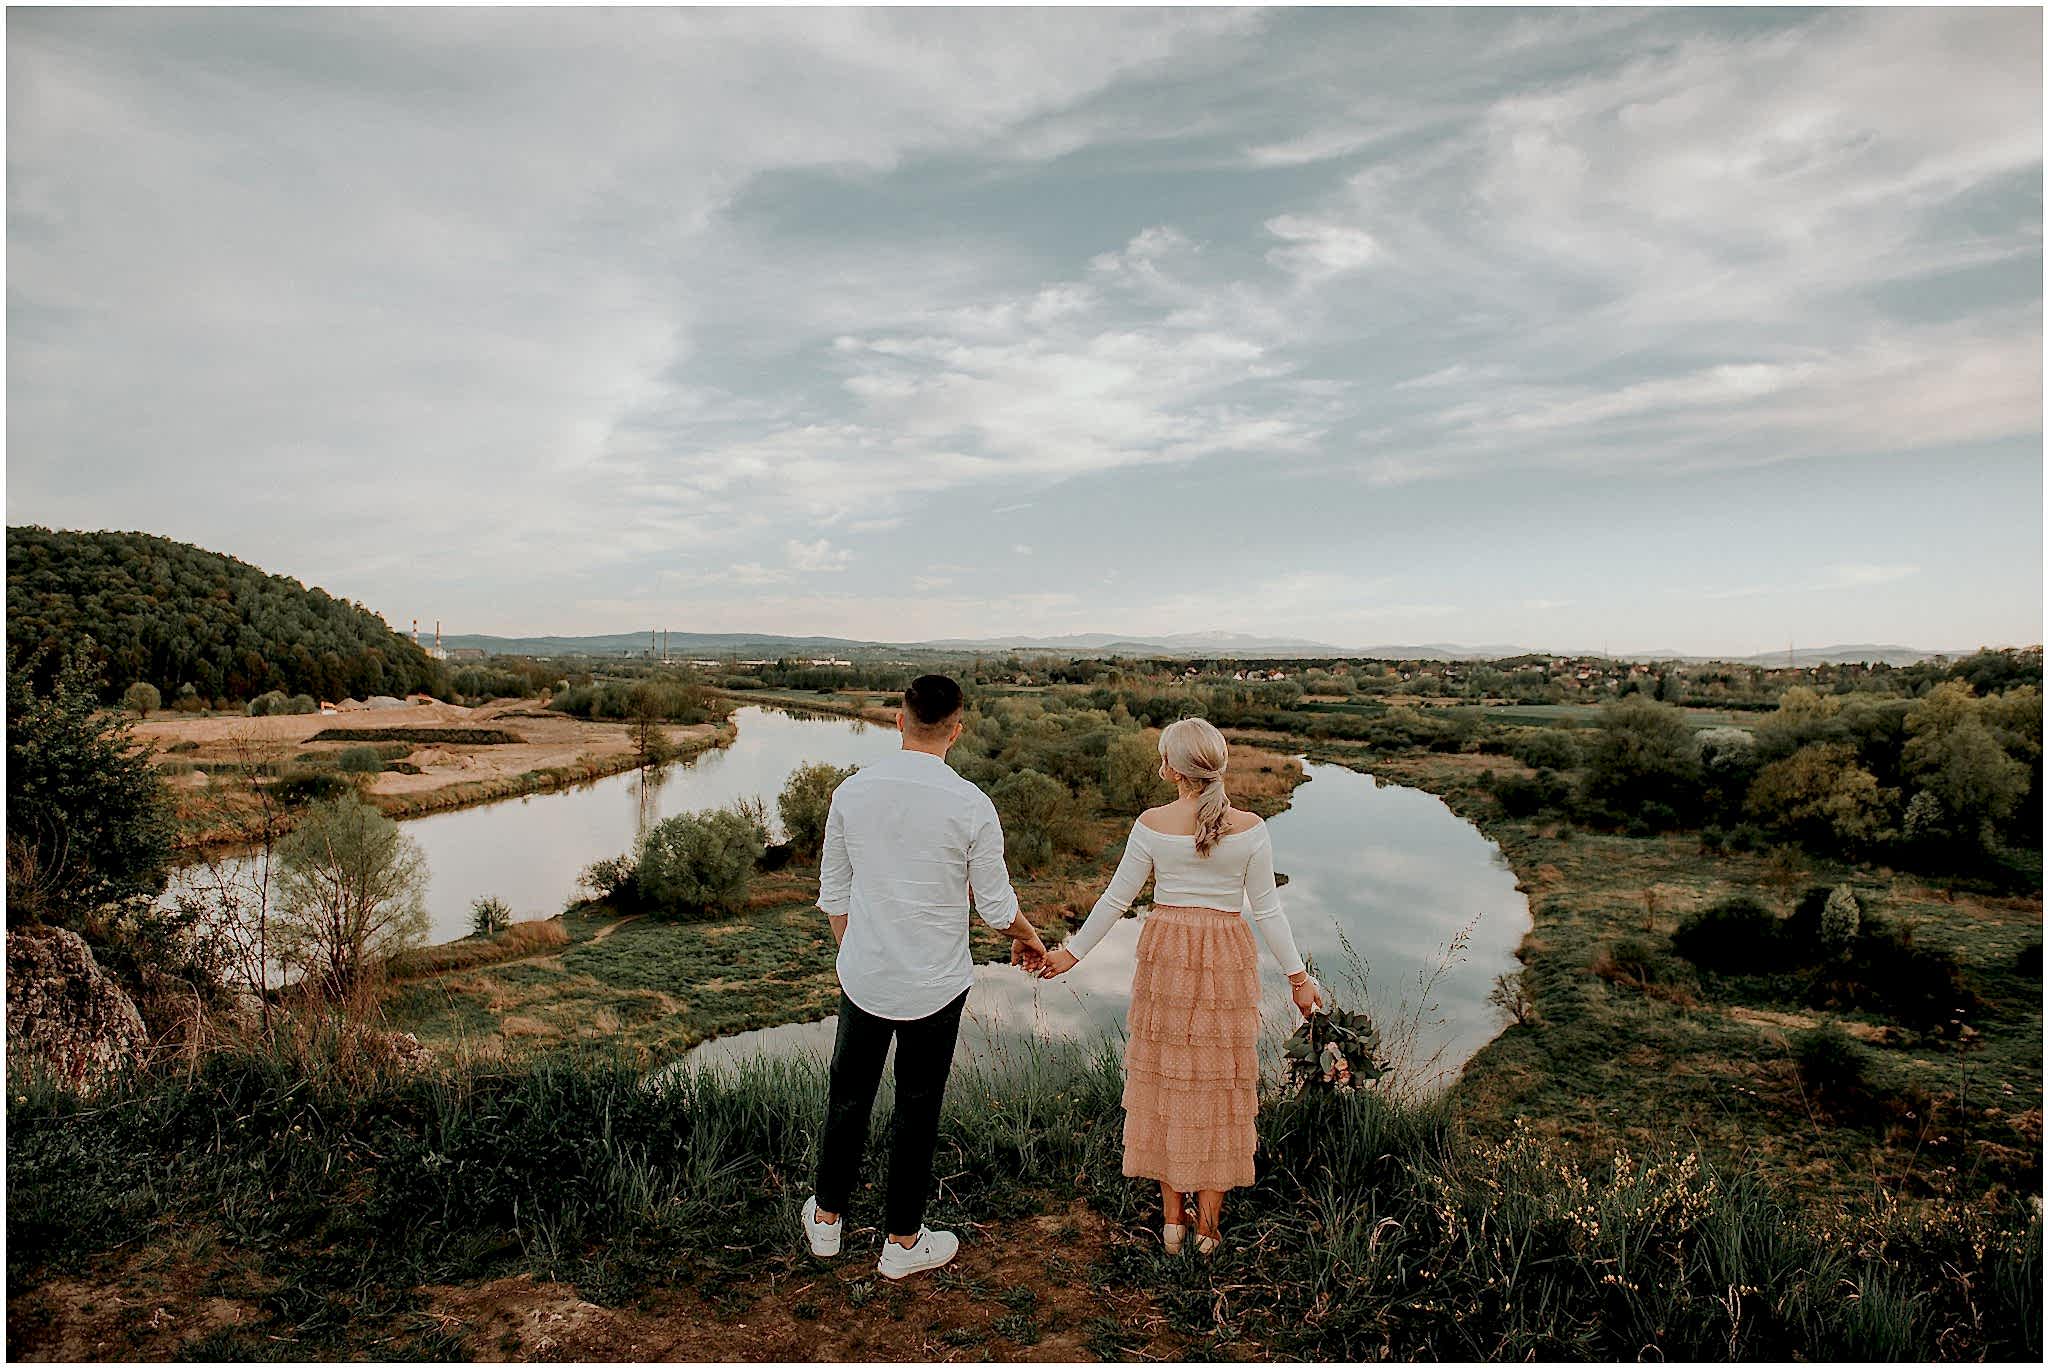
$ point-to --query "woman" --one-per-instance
(1191, 1067)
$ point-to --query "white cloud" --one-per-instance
(816, 557)
(1317, 249)
(849, 272)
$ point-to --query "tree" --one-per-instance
(1727, 758)
(185, 614)
(1038, 818)
(351, 893)
(1820, 796)
(700, 861)
(1642, 752)
(142, 699)
(1840, 919)
(488, 916)
(232, 894)
(85, 805)
(1130, 773)
(269, 704)
(1803, 717)
(806, 801)
(1952, 754)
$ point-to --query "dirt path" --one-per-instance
(607, 929)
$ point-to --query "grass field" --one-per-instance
(1629, 1059)
(558, 1208)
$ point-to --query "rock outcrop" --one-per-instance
(65, 1014)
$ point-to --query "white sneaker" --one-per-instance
(824, 1238)
(933, 1248)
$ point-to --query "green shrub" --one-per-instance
(1887, 973)
(488, 916)
(1541, 748)
(269, 704)
(302, 704)
(806, 801)
(700, 861)
(1526, 796)
(360, 760)
(299, 787)
(1635, 957)
(1733, 935)
(1831, 1061)
(1840, 919)
(142, 699)
(88, 820)
(665, 700)
(612, 878)
(1130, 773)
(1038, 818)
(1641, 753)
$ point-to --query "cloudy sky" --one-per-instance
(1696, 330)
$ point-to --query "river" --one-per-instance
(1427, 905)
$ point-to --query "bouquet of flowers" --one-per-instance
(1334, 1049)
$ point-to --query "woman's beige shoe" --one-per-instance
(1206, 1245)
(1171, 1235)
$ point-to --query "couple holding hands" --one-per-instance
(908, 839)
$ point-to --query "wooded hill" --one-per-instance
(169, 614)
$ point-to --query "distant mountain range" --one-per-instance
(679, 644)
(1188, 644)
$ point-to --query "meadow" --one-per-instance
(300, 1205)
(1663, 1154)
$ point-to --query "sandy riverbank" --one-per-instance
(551, 749)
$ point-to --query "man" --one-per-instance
(906, 841)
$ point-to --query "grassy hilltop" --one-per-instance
(1824, 1146)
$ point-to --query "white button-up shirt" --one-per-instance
(906, 842)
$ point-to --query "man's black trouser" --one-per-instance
(924, 1058)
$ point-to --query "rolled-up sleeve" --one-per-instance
(995, 902)
(835, 870)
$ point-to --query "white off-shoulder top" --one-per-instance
(1235, 876)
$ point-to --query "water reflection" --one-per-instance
(530, 850)
(1402, 905)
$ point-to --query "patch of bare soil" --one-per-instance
(1784, 1023)
(1022, 1293)
(449, 774)
(145, 1306)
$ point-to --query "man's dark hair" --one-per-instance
(932, 700)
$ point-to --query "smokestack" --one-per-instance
(415, 631)
(437, 634)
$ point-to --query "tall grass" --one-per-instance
(1375, 1229)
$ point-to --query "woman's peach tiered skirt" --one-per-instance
(1191, 1067)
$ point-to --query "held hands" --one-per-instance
(1028, 951)
(1057, 962)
